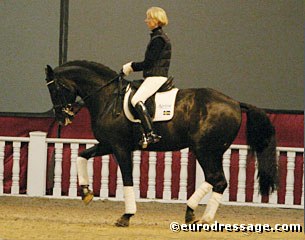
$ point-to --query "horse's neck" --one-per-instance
(91, 86)
(96, 94)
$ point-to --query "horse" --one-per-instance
(205, 120)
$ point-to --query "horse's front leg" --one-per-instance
(82, 169)
(130, 207)
(123, 158)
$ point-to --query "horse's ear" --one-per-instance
(49, 73)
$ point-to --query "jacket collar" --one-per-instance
(155, 31)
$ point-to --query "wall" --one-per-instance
(250, 50)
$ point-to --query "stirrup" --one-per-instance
(149, 138)
(143, 142)
(153, 138)
(87, 194)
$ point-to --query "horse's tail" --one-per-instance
(261, 139)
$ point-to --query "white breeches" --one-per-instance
(147, 89)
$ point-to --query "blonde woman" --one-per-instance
(155, 70)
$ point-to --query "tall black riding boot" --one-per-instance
(149, 136)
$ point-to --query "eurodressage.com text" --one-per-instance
(246, 228)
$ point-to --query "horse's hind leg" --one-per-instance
(195, 199)
(123, 158)
(214, 179)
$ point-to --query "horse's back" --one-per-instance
(206, 99)
(211, 114)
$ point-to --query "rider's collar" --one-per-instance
(156, 29)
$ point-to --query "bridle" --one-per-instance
(67, 108)
(61, 101)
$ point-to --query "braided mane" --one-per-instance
(94, 66)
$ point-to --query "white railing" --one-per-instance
(16, 145)
(38, 144)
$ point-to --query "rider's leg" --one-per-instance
(147, 89)
(146, 121)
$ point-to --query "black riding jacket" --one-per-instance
(157, 55)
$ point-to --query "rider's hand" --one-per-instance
(127, 69)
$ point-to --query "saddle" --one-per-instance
(157, 105)
(150, 102)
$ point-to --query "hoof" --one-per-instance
(200, 221)
(123, 221)
(189, 216)
(87, 194)
(88, 198)
(120, 223)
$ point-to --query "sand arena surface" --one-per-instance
(42, 218)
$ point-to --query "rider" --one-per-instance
(155, 70)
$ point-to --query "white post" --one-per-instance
(58, 169)
(73, 170)
(37, 164)
(167, 191)
(152, 162)
(16, 167)
(136, 172)
(183, 174)
(119, 194)
(2, 145)
(303, 185)
(290, 178)
(226, 169)
(104, 192)
(241, 189)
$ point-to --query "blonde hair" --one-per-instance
(158, 14)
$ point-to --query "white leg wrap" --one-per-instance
(212, 207)
(130, 200)
(82, 171)
(198, 195)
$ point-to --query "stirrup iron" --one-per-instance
(149, 138)
(144, 141)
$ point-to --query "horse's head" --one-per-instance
(63, 95)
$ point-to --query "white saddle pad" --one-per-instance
(165, 103)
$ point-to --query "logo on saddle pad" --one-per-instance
(160, 105)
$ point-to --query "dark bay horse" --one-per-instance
(205, 120)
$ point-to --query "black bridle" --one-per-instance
(67, 108)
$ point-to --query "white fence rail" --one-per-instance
(38, 145)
